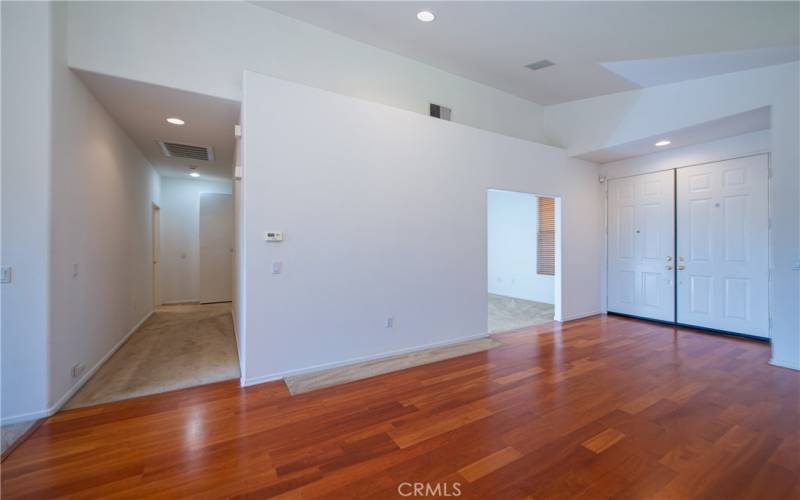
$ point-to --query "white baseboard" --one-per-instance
(80, 383)
(785, 364)
(26, 417)
(175, 302)
(325, 366)
(571, 317)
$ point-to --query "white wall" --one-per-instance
(723, 149)
(512, 247)
(102, 190)
(596, 123)
(83, 250)
(180, 236)
(384, 213)
(239, 277)
(216, 41)
(27, 73)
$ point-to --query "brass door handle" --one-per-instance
(681, 268)
(669, 268)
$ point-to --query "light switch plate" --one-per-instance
(6, 274)
(273, 236)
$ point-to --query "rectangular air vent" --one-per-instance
(540, 64)
(438, 111)
(189, 151)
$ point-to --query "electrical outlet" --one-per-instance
(390, 322)
(78, 370)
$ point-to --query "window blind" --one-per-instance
(546, 237)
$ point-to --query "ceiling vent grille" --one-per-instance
(189, 151)
(544, 63)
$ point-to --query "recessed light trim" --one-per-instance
(194, 174)
(425, 16)
(175, 121)
(663, 143)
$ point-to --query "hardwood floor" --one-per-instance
(604, 407)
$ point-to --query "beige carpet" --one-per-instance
(308, 382)
(508, 313)
(12, 432)
(177, 347)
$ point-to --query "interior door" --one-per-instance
(722, 245)
(216, 247)
(156, 256)
(641, 239)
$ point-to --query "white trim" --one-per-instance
(235, 329)
(315, 368)
(785, 364)
(174, 302)
(238, 348)
(26, 417)
(572, 317)
(72, 390)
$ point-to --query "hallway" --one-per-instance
(180, 346)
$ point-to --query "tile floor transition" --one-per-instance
(508, 313)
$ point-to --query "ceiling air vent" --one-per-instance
(189, 151)
(540, 64)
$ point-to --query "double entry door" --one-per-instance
(689, 246)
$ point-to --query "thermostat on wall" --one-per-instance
(273, 236)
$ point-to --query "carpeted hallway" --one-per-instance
(509, 313)
(179, 346)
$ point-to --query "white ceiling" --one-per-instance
(141, 109)
(650, 72)
(491, 42)
(729, 126)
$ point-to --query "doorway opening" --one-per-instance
(523, 260)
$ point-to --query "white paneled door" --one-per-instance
(641, 242)
(722, 266)
(216, 247)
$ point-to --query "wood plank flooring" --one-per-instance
(604, 407)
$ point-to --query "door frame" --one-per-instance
(770, 244)
(156, 253)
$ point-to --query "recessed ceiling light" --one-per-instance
(663, 143)
(425, 16)
(175, 121)
(194, 174)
